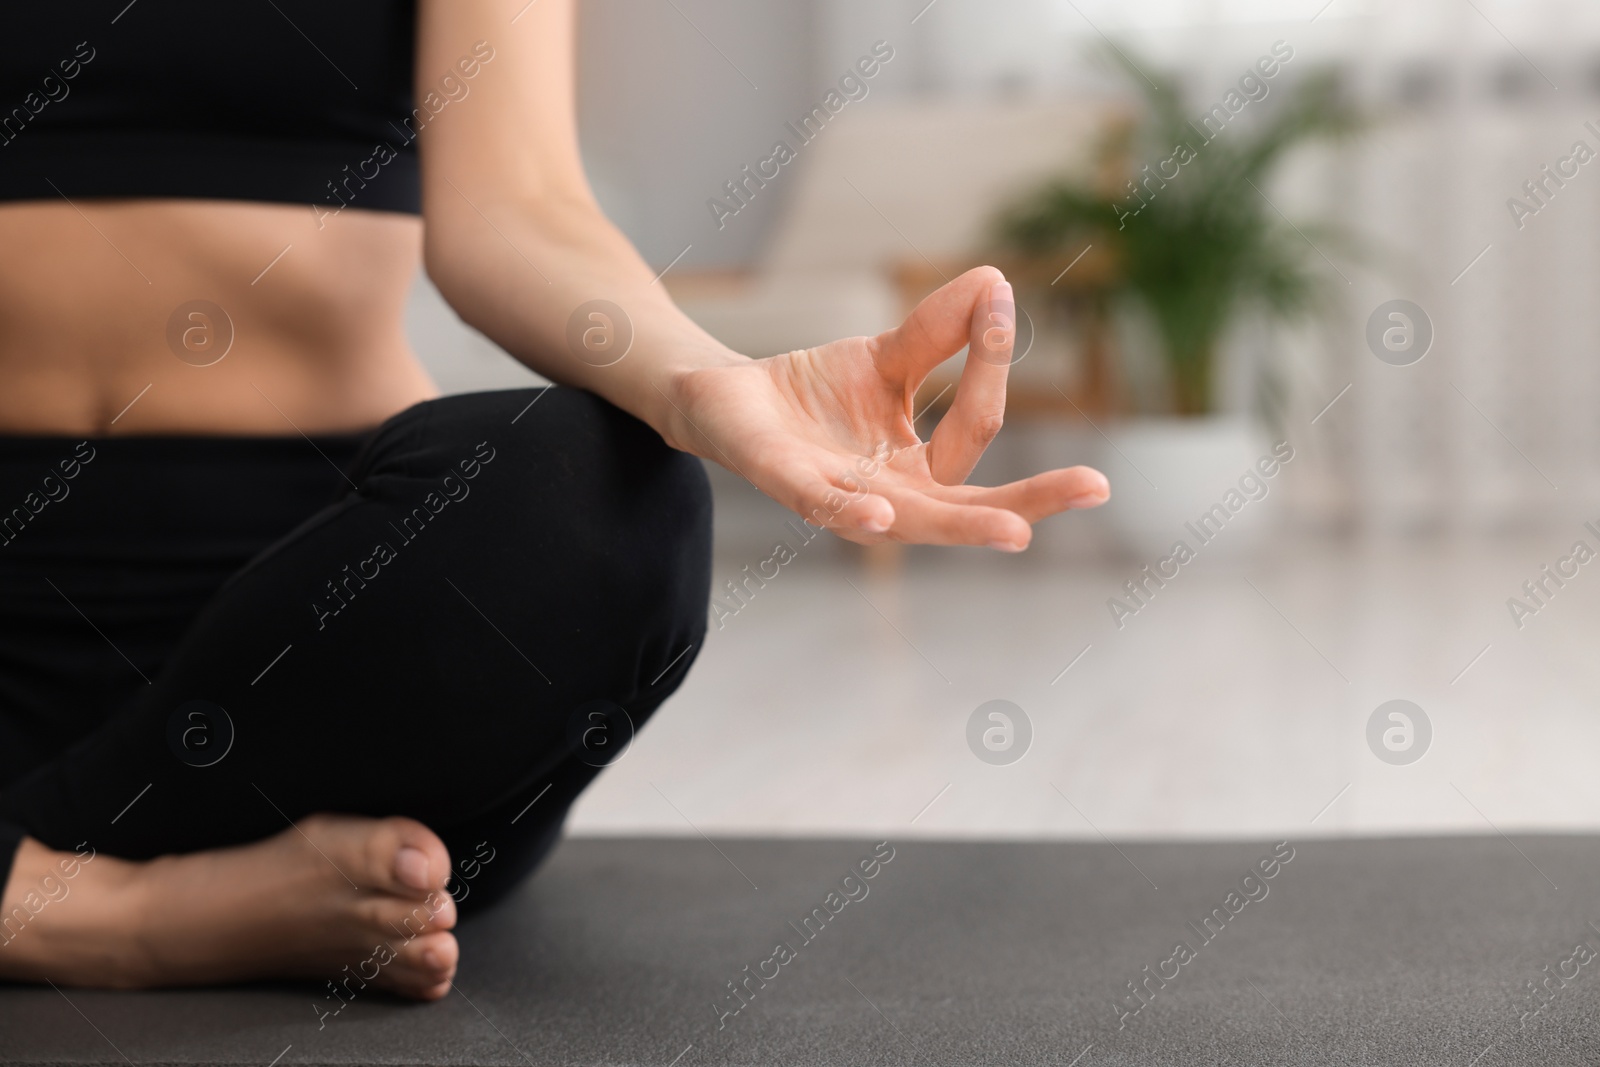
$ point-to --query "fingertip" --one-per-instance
(877, 515)
(988, 271)
(1093, 490)
(1012, 536)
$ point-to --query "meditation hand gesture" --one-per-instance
(828, 433)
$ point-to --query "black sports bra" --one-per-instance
(294, 101)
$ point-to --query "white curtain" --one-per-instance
(1499, 425)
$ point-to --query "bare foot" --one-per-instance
(355, 901)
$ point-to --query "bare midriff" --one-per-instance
(203, 317)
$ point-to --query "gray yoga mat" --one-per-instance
(1402, 951)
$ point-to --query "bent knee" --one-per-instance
(586, 487)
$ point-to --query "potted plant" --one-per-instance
(1195, 248)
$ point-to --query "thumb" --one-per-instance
(936, 329)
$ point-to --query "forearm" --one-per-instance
(519, 272)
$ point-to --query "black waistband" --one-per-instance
(162, 497)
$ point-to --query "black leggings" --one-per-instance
(197, 647)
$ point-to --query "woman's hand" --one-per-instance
(827, 432)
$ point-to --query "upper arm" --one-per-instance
(496, 106)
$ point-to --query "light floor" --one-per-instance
(836, 702)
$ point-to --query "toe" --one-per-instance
(404, 857)
(436, 956)
(424, 966)
(398, 920)
(394, 855)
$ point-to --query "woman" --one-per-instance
(285, 634)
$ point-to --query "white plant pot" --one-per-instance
(1203, 481)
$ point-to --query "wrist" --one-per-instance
(682, 391)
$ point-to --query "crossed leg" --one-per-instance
(429, 670)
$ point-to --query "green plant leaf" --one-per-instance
(1196, 243)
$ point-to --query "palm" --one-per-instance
(828, 431)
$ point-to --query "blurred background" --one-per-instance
(1361, 236)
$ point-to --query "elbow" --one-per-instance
(468, 256)
(460, 269)
(444, 265)
(452, 244)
